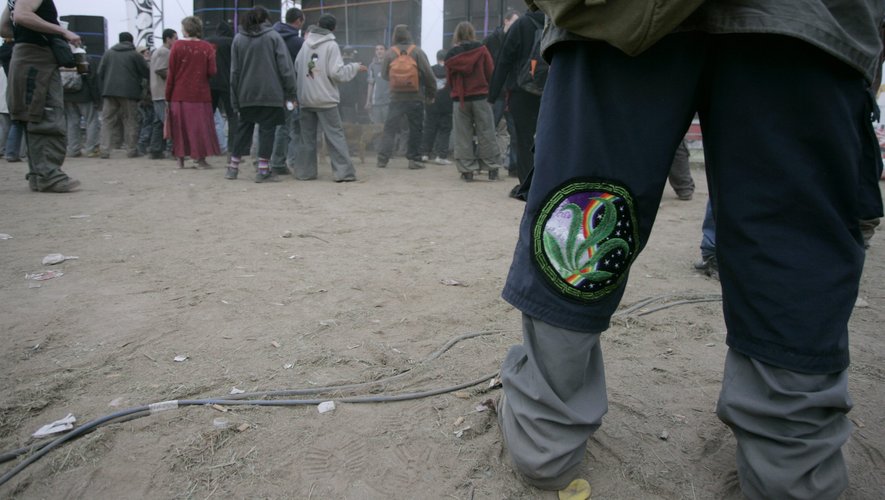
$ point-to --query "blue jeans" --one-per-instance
(14, 140)
(287, 141)
(708, 233)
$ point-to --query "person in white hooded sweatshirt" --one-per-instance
(319, 69)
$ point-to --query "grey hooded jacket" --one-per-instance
(261, 71)
(320, 68)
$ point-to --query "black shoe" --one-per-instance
(134, 154)
(158, 156)
(467, 176)
(414, 165)
(516, 194)
(493, 174)
(268, 177)
(281, 170)
(231, 173)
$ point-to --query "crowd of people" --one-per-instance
(271, 91)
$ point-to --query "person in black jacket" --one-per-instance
(523, 106)
(438, 117)
(121, 72)
(219, 83)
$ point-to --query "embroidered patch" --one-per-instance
(585, 238)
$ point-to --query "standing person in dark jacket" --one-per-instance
(84, 104)
(523, 105)
(219, 84)
(121, 72)
(262, 82)
(506, 135)
(288, 135)
(438, 117)
(468, 70)
(34, 93)
(408, 104)
(13, 140)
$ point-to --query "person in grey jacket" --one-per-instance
(262, 83)
(121, 72)
(781, 90)
(320, 69)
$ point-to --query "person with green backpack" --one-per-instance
(781, 90)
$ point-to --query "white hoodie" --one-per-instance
(318, 82)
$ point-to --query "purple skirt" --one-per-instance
(192, 129)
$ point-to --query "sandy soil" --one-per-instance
(185, 263)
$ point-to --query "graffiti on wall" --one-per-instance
(141, 21)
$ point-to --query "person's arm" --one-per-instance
(6, 24)
(338, 71)
(427, 75)
(234, 76)
(507, 57)
(25, 14)
(213, 65)
(370, 91)
(170, 79)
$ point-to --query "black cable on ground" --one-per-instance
(686, 299)
(240, 399)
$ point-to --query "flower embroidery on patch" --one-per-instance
(585, 238)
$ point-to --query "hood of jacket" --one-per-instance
(318, 36)
(124, 46)
(258, 31)
(463, 58)
(285, 30)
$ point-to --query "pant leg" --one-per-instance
(5, 124)
(46, 139)
(465, 155)
(554, 400)
(242, 138)
(72, 117)
(395, 111)
(487, 148)
(708, 233)
(145, 127)
(524, 107)
(789, 441)
(306, 169)
(415, 116)
(281, 143)
(431, 125)
(93, 125)
(231, 115)
(266, 135)
(130, 125)
(110, 120)
(157, 142)
(14, 139)
(443, 136)
(293, 122)
(339, 155)
(680, 173)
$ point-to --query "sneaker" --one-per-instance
(467, 176)
(382, 164)
(414, 165)
(66, 186)
(268, 177)
(32, 181)
(75, 155)
(13, 159)
(424, 158)
(441, 161)
(231, 173)
(104, 156)
(709, 266)
(92, 154)
(134, 154)
(346, 179)
(493, 174)
(281, 170)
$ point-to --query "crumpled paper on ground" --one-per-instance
(61, 425)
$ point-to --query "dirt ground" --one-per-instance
(376, 278)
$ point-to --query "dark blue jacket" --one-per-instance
(291, 37)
